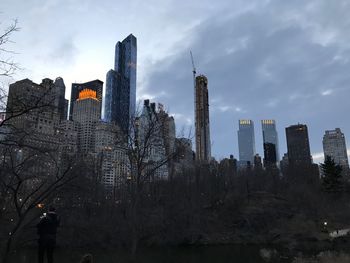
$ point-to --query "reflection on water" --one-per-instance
(204, 254)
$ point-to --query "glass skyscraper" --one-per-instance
(120, 96)
(270, 140)
(246, 141)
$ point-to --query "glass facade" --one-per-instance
(270, 140)
(117, 99)
(120, 96)
(246, 141)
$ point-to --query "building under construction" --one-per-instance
(202, 119)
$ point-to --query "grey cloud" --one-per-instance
(269, 62)
(64, 52)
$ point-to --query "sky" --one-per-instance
(264, 59)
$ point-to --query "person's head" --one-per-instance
(87, 259)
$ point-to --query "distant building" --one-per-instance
(69, 133)
(112, 156)
(86, 112)
(270, 155)
(34, 113)
(228, 167)
(270, 142)
(334, 145)
(246, 142)
(203, 147)
(95, 85)
(149, 134)
(298, 145)
(257, 162)
(284, 163)
(61, 102)
(120, 97)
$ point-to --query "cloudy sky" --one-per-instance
(282, 60)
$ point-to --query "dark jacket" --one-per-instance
(47, 227)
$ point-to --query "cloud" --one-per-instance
(273, 59)
(283, 60)
(64, 52)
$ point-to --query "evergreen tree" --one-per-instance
(332, 178)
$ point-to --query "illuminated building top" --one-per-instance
(245, 122)
(87, 94)
(267, 122)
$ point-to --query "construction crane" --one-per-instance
(193, 69)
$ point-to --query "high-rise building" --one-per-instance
(120, 96)
(150, 137)
(168, 129)
(203, 147)
(334, 146)
(246, 142)
(61, 102)
(270, 141)
(112, 155)
(86, 112)
(34, 113)
(95, 85)
(298, 145)
(33, 107)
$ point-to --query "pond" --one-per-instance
(202, 254)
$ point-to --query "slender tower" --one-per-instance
(120, 96)
(202, 119)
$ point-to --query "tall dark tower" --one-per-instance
(61, 102)
(298, 145)
(95, 85)
(203, 151)
(270, 140)
(120, 97)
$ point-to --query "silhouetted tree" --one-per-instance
(332, 178)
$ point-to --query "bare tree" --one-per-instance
(149, 156)
(7, 64)
(34, 167)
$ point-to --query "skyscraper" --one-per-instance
(334, 146)
(95, 85)
(298, 145)
(60, 101)
(120, 97)
(150, 137)
(270, 141)
(203, 151)
(86, 112)
(246, 141)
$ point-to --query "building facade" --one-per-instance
(86, 113)
(270, 142)
(246, 142)
(112, 155)
(60, 101)
(298, 145)
(334, 145)
(202, 125)
(95, 85)
(151, 141)
(120, 96)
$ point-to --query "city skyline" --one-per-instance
(269, 84)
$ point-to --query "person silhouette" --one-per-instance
(47, 229)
